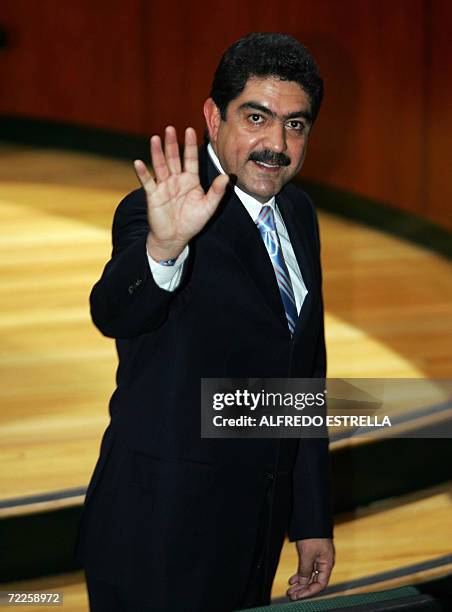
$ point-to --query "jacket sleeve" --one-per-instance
(126, 301)
(312, 513)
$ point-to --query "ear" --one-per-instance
(213, 118)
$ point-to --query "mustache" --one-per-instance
(270, 157)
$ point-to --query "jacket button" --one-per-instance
(269, 475)
(131, 289)
(138, 282)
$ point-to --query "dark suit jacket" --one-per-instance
(163, 501)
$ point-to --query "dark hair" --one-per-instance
(265, 54)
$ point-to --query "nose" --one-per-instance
(276, 138)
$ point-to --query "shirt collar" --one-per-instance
(252, 205)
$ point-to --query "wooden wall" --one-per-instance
(139, 65)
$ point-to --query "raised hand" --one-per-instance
(178, 208)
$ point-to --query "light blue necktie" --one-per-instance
(267, 227)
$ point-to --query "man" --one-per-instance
(195, 289)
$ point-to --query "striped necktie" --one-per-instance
(267, 227)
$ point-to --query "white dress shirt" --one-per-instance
(169, 277)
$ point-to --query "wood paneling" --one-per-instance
(438, 158)
(80, 62)
(142, 65)
(369, 138)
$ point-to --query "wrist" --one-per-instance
(163, 251)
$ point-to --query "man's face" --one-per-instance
(263, 140)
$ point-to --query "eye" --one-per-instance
(255, 119)
(296, 124)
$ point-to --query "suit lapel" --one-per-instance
(234, 225)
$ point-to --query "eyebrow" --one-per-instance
(263, 109)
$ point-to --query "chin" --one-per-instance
(258, 194)
(268, 192)
(260, 191)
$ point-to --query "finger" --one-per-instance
(191, 152)
(144, 175)
(309, 591)
(296, 591)
(216, 191)
(299, 584)
(317, 583)
(303, 579)
(305, 572)
(158, 160)
(172, 151)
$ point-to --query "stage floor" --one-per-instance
(388, 311)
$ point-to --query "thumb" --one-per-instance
(216, 191)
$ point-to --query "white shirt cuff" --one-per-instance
(168, 277)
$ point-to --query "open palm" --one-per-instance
(178, 207)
